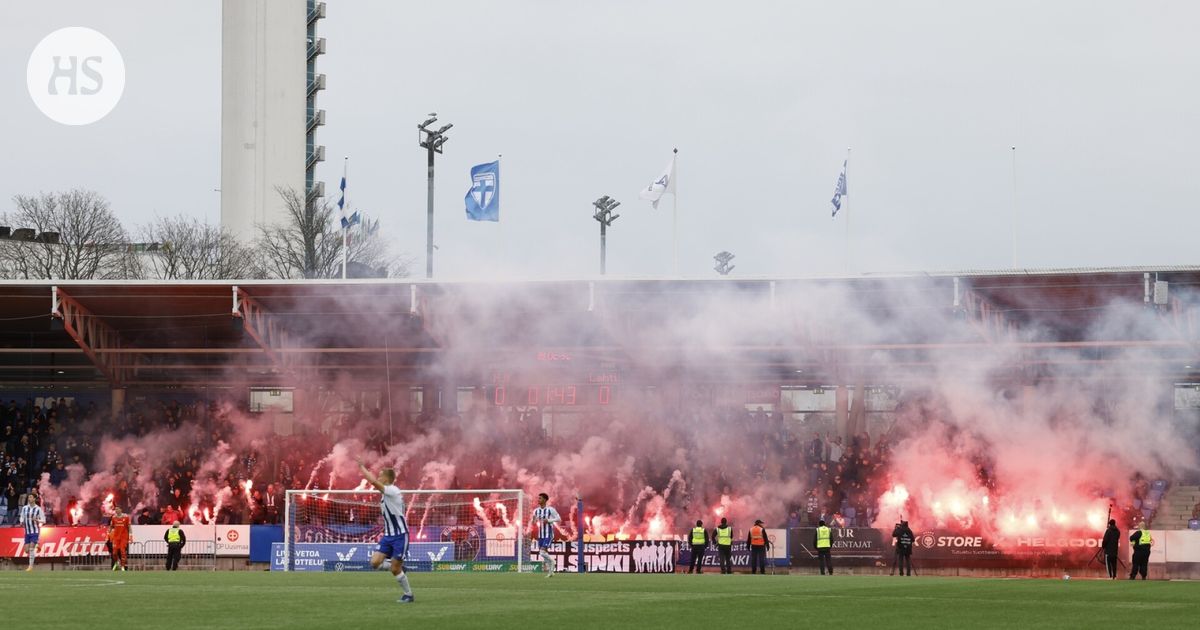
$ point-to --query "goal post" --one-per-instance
(448, 530)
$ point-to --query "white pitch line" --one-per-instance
(71, 582)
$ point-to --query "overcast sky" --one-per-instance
(1101, 100)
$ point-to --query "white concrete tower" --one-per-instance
(268, 114)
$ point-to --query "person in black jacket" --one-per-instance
(176, 539)
(1141, 541)
(1112, 538)
(904, 544)
(758, 542)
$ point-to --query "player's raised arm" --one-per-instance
(371, 479)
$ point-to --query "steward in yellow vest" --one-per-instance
(175, 539)
(699, 541)
(823, 541)
(723, 533)
(1142, 541)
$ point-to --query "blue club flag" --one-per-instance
(840, 191)
(483, 199)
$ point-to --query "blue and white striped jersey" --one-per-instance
(32, 518)
(545, 518)
(392, 507)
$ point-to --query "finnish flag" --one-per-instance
(353, 219)
(483, 198)
(840, 191)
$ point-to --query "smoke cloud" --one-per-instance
(984, 429)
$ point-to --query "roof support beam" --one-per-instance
(990, 322)
(94, 337)
(265, 329)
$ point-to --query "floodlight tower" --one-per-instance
(432, 142)
(604, 207)
(723, 267)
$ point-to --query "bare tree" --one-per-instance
(79, 238)
(303, 246)
(369, 249)
(308, 244)
(183, 248)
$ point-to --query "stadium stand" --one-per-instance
(1178, 509)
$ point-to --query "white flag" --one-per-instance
(840, 190)
(661, 185)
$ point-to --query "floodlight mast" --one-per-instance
(432, 142)
(604, 207)
(723, 267)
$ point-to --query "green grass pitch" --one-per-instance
(353, 601)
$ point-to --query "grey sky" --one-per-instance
(762, 99)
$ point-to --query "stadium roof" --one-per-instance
(269, 333)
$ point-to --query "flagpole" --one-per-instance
(345, 230)
(1014, 207)
(675, 214)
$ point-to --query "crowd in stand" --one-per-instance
(30, 443)
(845, 479)
(842, 478)
(52, 439)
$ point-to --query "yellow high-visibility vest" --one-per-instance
(823, 534)
(725, 536)
(697, 535)
(173, 535)
(1146, 538)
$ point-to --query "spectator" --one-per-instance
(58, 474)
(271, 503)
(145, 517)
(171, 514)
(816, 449)
(258, 512)
(812, 507)
(835, 449)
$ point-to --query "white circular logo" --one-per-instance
(75, 76)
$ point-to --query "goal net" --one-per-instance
(448, 530)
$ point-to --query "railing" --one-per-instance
(152, 555)
(318, 155)
(316, 120)
(316, 48)
(315, 83)
(317, 12)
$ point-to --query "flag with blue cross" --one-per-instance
(483, 199)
